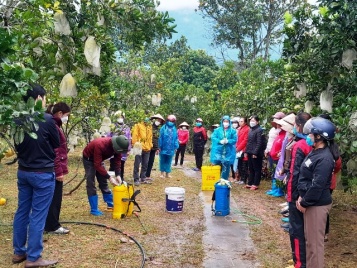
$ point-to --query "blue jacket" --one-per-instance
(223, 152)
(168, 140)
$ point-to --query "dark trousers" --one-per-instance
(297, 235)
(150, 163)
(122, 164)
(255, 169)
(199, 157)
(181, 150)
(327, 229)
(90, 175)
(243, 170)
(142, 160)
(52, 220)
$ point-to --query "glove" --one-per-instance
(116, 181)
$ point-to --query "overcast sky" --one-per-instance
(170, 5)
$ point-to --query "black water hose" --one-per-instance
(143, 255)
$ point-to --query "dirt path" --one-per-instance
(225, 243)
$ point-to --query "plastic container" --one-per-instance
(222, 195)
(175, 197)
(210, 175)
(121, 195)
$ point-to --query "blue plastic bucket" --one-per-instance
(174, 199)
(222, 196)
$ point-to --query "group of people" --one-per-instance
(300, 149)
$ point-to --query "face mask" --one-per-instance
(252, 124)
(157, 123)
(198, 124)
(234, 125)
(170, 124)
(64, 119)
(309, 141)
(120, 120)
(225, 124)
(295, 131)
(184, 128)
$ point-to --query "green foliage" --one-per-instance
(314, 46)
(252, 27)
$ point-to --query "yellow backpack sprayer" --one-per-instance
(124, 200)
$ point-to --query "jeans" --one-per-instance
(34, 198)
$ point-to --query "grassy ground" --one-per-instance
(172, 240)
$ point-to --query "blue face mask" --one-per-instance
(170, 124)
(295, 132)
(198, 124)
(309, 141)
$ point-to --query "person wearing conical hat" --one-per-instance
(183, 136)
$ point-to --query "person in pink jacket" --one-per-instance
(183, 135)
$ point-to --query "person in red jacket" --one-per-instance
(199, 141)
(60, 112)
(296, 219)
(241, 144)
(183, 135)
(94, 154)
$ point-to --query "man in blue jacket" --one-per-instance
(36, 183)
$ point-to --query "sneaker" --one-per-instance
(145, 181)
(137, 183)
(61, 230)
(196, 169)
(175, 165)
(240, 182)
(149, 179)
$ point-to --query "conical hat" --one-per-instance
(157, 116)
(184, 124)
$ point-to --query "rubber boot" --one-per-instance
(108, 198)
(93, 202)
(278, 192)
(273, 187)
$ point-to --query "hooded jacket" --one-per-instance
(168, 140)
(223, 152)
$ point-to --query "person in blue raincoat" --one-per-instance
(168, 144)
(223, 150)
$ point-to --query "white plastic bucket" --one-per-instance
(174, 199)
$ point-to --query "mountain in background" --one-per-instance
(197, 31)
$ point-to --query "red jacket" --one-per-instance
(298, 153)
(242, 138)
(338, 167)
(277, 144)
(99, 150)
(182, 136)
(61, 160)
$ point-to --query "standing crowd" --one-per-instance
(300, 150)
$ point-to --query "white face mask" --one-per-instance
(64, 119)
(234, 125)
(157, 123)
(120, 120)
(225, 124)
(253, 124)
(184, 128)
